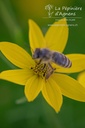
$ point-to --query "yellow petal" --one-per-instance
(81, 78)
(57, 35)
(19, 76)
(35, 36)
(52, 94)
(70, 87)
(78, 64)
(15, 54)
(33, 87)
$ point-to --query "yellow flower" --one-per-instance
(57, 84)
(81, 78)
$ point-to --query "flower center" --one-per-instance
(44, 70)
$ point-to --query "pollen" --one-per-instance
(43, 70)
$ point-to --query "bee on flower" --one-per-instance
(46, 71)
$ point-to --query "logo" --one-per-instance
(69, 12)
(49, 9)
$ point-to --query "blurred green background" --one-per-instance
(14, 15)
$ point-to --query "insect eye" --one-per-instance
(36, 53)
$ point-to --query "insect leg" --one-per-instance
(49, 71)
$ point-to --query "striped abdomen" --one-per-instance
(61, 60)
